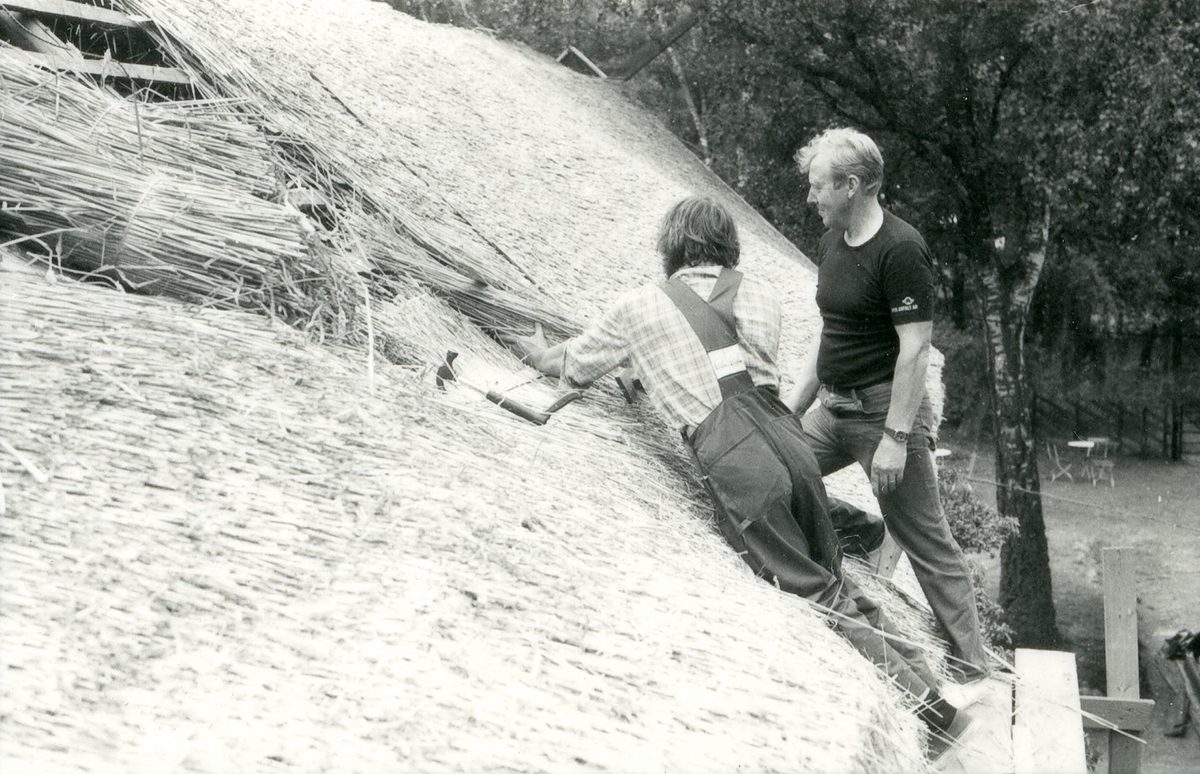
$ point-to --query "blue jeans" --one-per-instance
(845, 428)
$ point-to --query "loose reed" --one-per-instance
(163, 199)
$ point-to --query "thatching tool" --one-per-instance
(445, 373)
(630, 385)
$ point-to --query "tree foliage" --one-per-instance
(1047, 150)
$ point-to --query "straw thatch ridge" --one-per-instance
(225, 545)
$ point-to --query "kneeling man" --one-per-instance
(704, 344)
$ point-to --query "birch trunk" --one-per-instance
(693, 109)
(1026, 592)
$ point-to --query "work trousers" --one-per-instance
(771, 508)
(845, 428)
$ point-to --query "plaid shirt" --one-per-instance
(645, 330)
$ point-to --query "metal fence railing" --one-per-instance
(1171, 430)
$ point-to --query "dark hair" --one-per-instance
(698, 232)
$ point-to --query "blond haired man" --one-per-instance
(866, 372)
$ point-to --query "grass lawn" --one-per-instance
(1155, 509)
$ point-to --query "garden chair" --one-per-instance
(1060, 469)
(1102, 470)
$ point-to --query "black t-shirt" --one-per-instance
(863, 293)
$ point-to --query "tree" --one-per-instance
(1040, 145)
(1018, 133)
(941, 85)
(1129, 256)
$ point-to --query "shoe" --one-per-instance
(962, 672)
(963, 695)
(942, 741)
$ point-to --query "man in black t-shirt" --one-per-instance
(875, 291)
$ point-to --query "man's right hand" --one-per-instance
(535, 351)
(527, 346)
(887, 466)
(804, 392)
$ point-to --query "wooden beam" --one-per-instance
(1120, 623)
(110, 69)
(570, 52)
(1047, 732)
(888, 556)
(657, 44)
(70, 10)
(1121, 651)
(1125, 714)
(31, 33)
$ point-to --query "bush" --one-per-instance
(979, 530)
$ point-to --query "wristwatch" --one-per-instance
(898, 435)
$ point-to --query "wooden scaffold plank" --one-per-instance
(1121, 653)
(1125, 714)
(1048, 731)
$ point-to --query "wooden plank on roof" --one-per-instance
(576, 59)
(1047, 732)
(1125, 714)
(70, 10)
(31, 33)
(109, 69)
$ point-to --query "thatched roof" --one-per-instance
(236, 541)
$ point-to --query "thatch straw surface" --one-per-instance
(225, 546)
(222, 552)
(502, 164)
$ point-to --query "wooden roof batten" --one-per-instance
(656, 44)
(41, 47)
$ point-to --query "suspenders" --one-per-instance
(713, 323)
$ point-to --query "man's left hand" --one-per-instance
(887, 467)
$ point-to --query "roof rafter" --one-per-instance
(54, 54)
(72, 10)
(104, 68)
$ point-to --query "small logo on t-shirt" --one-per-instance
(909, 304)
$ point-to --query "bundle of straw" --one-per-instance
(160, 199)
(393, 251)
(427, 241)
(196, 139)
